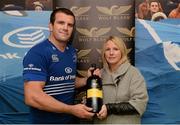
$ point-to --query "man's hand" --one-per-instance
(82, 111)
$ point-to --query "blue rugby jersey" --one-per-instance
(44, 62)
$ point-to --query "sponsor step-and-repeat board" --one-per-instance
(95, 21)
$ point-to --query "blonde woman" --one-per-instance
(124, 90)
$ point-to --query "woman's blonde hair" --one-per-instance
(122, 47)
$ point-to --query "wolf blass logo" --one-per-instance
(80, 12)
(94, 34)
(114, 12)
(83, 56)
(91, 39)
(121, 17)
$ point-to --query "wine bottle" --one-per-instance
(94, 96)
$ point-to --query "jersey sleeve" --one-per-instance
(34, 66)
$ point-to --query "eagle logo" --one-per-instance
(94, 32)
(79, 10)
(126, 31)
(83, 53)
(113, 10)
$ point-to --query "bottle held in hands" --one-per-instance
(94, 95)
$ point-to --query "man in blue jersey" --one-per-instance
(50, 75)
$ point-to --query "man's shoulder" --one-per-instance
(40, 46)
(39, 49)
(71, 48)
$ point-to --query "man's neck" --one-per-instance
(59, 45)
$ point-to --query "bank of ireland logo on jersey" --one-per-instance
(68, 70)
(25, 37)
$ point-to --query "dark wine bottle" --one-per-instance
(94, 95)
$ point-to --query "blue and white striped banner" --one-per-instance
(157, 56)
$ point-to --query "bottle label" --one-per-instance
(94, 93)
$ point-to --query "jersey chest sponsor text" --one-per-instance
(61, 78)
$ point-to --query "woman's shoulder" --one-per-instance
(135, 72)
(134, 69)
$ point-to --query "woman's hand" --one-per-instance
(102, 113)
(95, 72)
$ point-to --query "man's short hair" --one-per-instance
(63, 10)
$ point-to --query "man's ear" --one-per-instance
(50, 27)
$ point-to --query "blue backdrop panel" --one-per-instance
(158, 58)
(19, 31)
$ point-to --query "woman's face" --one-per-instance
(112, 53)
(154, 7)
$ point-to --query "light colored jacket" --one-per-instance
(125, 85)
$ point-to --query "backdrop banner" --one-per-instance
(19, 31)
(95, 21)
(158, 58)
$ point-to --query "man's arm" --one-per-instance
(80, 81)
(37, 98)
